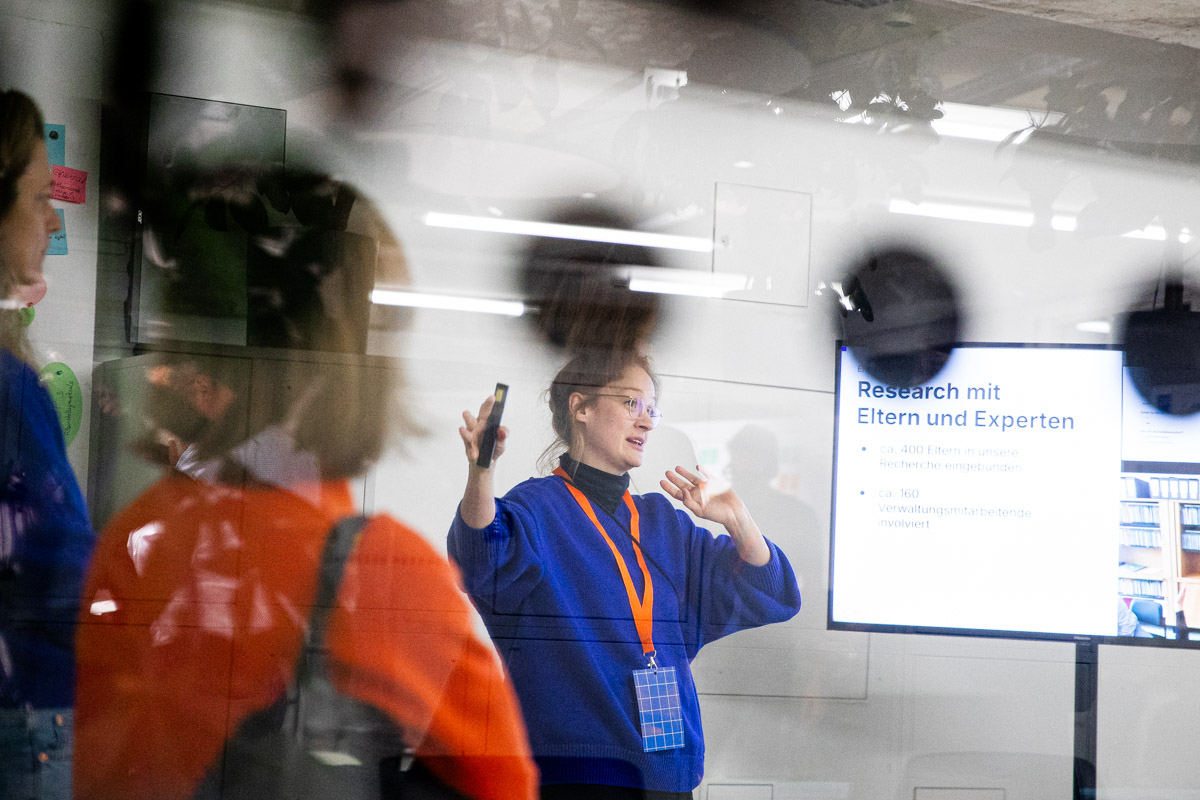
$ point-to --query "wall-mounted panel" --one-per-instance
(763, 236)
(1147, 720)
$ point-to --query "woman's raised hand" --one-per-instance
(693, 491)
(472, 432)
(723, 507)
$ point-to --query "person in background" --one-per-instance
(590, 591)
(1127, 622)
(45, 536)
(199, 594)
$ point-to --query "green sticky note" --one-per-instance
(63, 386)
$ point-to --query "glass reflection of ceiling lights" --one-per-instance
(1100, 326)
(990, 124)
(683, 282)
(1015, 217)
(960, 120)
(652, 280)
(446, 302)
(557, 230)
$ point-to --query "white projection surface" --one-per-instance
(987, 499)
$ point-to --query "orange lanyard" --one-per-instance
(643, 610)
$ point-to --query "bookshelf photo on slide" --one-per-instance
(1158, 575)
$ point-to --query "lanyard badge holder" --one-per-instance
(656, 688)
(659, 711)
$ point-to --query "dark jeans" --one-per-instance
(35, 754)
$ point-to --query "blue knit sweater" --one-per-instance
(548, 589)
(46, 540)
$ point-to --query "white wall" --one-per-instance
(810, 712)
(44, 53)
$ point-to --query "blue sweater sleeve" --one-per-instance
(46, 541)
(730, 594)
(500, 564)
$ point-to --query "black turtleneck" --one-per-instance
(602, 488)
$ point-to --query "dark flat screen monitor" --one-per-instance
(190, 262)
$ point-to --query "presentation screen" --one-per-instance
(1023, 491)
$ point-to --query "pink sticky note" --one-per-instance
(69, 185)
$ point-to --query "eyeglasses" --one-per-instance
(637, 406)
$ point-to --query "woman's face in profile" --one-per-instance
(25, 231)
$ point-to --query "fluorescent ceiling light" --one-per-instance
(671, 287)
(556, 230)
(685, 282)
(989, 123)
(1154, 233)
(966, 130)
(446, 302)
(1016, 218)
(962, 120)
(964, 213)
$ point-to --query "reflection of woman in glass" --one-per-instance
(589, 591)
(201, 588)
(45, 536)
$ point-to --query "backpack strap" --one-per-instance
(338, 547)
